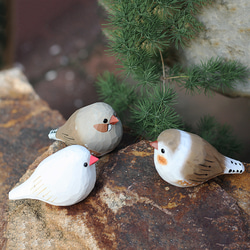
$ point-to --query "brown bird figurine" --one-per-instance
(184, 159)
(95, 127)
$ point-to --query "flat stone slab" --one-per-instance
(131, 207)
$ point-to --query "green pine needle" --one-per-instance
(154, 113)
(184, 27)
(215, 74)
(220, 136)
(139, 31)
(118, 94)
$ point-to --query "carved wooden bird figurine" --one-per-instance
(184, 159)
(62, 179)
(95, 127)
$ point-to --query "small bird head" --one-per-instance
(99, 129)
(161, 152)
(166, 155)
(165, 146)
(80, 156)
(107, 123)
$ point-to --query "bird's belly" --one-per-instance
(170, 173)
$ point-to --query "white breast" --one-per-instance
(172, 171)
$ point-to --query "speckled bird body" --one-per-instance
(184, 159)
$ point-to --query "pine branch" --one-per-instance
(220, 136)
(215, 74)
(141, 34)
(195, 6)
(154, 112)
(119, 95)
(182, 28)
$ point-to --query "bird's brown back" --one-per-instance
(67, 132)
(204, 161)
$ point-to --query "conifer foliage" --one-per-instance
(141, 35)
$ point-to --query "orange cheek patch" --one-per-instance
(162, 160)
(101, 127)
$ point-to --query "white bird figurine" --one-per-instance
(62, 179)
(95, 127)
(184, 159)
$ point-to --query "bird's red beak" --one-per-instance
(93, 160)
(113, 120)
(154, 144)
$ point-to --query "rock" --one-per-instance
(131, 207)
(226, 35)
(25, 120)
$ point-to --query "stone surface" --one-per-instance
(131, 207)
(25, 120)
(227, 34)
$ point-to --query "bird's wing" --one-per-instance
(39, 190)
(67, 132)
(205, 165)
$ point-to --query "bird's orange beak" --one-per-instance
(154, 144)
(93, 160)
(113, 120)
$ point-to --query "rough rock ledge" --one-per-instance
(131, 207)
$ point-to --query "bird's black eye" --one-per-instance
(85, 164)
(105, 120)
(163, 150)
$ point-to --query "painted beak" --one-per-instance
(113, 120)
(154, 144)
(93, 160)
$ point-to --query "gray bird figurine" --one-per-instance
(95, 127)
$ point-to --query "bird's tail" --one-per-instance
(52, 134)
(233, 166)
(19, 192)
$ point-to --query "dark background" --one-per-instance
(61, 49)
